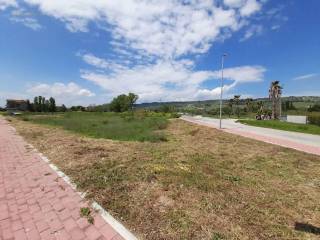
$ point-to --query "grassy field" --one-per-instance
(140, 126)
(199, 184)
(293, 127)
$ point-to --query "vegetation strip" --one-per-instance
(286, 126)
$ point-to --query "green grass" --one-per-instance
(118, 126)
(286, 126)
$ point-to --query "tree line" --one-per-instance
(121, 103)
(41, 104)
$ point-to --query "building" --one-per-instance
(16, 105)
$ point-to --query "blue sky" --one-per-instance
(86, 52)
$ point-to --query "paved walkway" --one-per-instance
(35, 203)
(300, 141)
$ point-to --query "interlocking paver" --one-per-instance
(35, 203)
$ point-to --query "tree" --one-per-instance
(132, 98)
(227, 110)
(52, 105)
(29, 106)
(248, 102)
(63, 108)
(165, 108)
(236, 100)
(275, 92)
(36, 104)
(314, 108)
(123, 102)
(39, 104)
(46, 106)
(230, 104)
(260, 105)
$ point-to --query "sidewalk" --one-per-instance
(302, 142)
(35, 203)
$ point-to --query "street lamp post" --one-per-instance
(221, 91)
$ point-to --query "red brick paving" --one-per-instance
(35, 203)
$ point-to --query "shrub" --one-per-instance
(314, 118)
(314, 108)
(175, 115)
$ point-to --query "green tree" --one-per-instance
(36, 104)
(63, 108)
(52, 105)
(132, 98)
(29, 106)
(123, 102)
(248, 102)
(236, 100)
(275, 92)
(227, 110)
(230, 104)
(40, 108)
(260, 105)
(44, 104)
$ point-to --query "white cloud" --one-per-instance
(166, 28)
(7, 3)
(24, 17)
(101, 63)
(171, 81)
(252, 31)
(250, 7)
(68, 94)
(275, 27)
(307, 76)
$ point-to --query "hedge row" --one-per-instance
(314, 118)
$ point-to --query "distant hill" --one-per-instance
(306, 99)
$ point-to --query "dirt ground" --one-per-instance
(200, 184)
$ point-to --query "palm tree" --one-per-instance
(236, 100)
(275, 92)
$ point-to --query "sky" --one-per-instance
(86, 52)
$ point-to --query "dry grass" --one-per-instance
(200, 184)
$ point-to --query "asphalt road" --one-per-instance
(231, 124)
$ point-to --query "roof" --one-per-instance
(16, 100)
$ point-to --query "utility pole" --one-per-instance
(221, 91)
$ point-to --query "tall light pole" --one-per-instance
(221, 91)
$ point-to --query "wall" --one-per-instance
(297, 119)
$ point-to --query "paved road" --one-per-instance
(300, 141)
(35, 203)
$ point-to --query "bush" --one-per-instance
(314, 118)
(314, 108)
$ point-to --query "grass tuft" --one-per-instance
(118, 126)
(86, 213)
